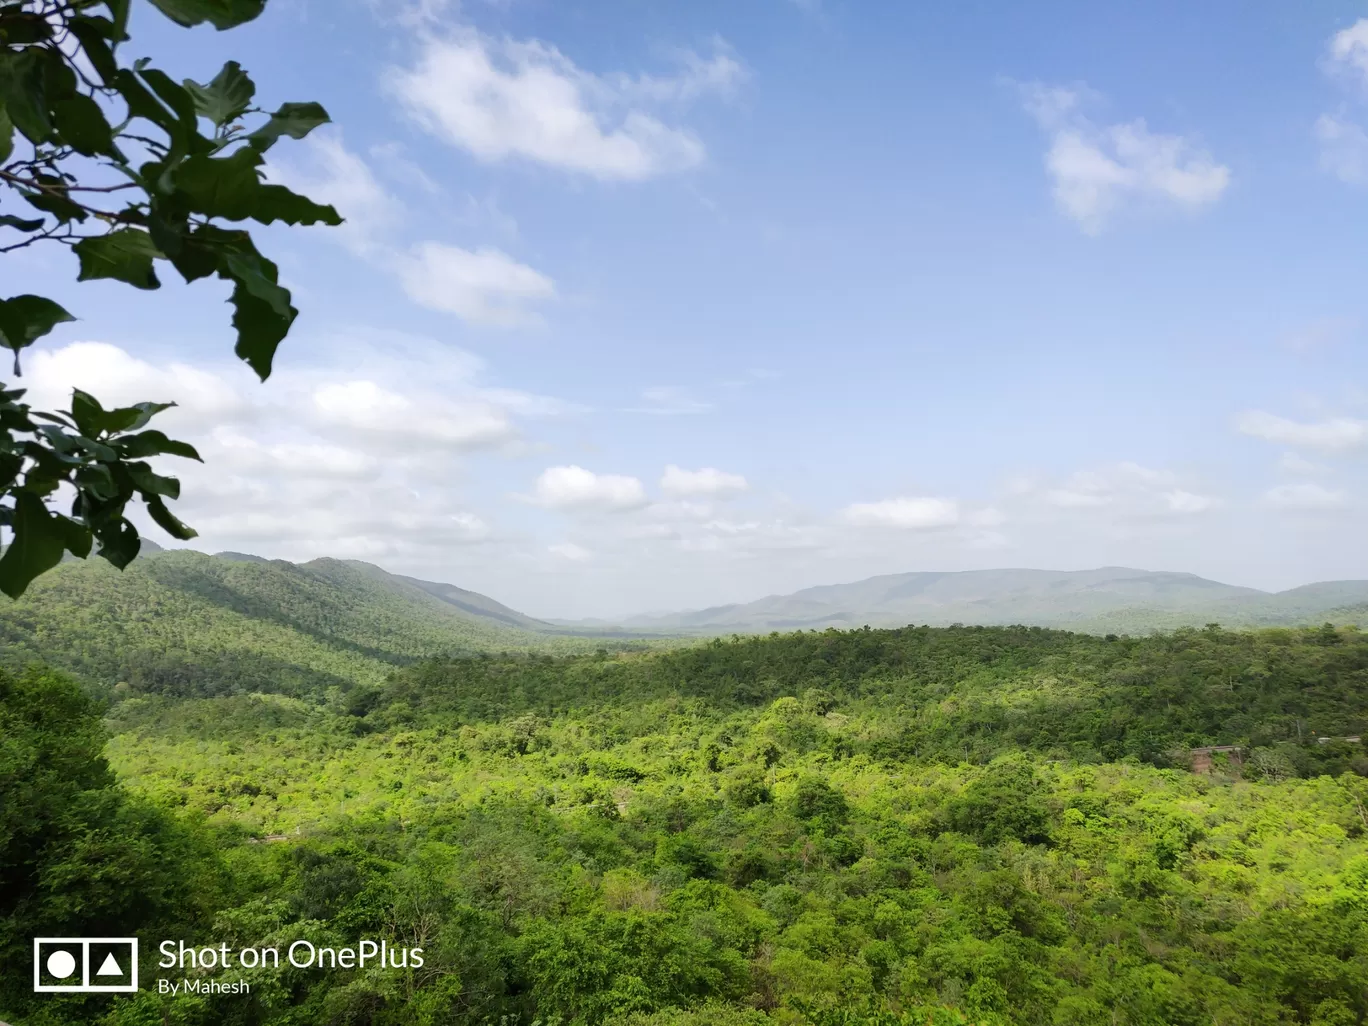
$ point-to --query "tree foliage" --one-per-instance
(131, 170)
(737, 833)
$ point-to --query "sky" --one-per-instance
(645, 306)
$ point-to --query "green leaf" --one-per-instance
(23, 28)
(222, 186)
(166, 521)
(258, 276)
(59, 80)
(125, 254)
(222, 14)
(195, 260)
(295, 120)
(25, 319)
(118, 10)
(262, 309)
(260, 327)
(95, 35)
(185, 135)
(56, 202)
(119, 543)
(6, 134)
(277, 203)
(98, 481)
(10, 465)
(149, 483)
(40, 538)
(132, 418)
(154, 443)
(52, 418)
(89, 415)
(58, 205)
(20, 223)
(77, 449)
(173, 94)
(143, 104)
(226, 97)
(23, 92)
(81, 125)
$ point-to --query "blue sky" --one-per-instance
(889, 286)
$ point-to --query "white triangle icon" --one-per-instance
(109, 967)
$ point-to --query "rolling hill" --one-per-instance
(1110, 599)
(186, 623)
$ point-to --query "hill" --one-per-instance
(1106, 600)
(186, 623)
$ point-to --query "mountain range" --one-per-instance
(1109, 599)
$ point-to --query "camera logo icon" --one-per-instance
(86, 965)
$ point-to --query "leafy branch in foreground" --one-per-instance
(101, 455)
(128, 168)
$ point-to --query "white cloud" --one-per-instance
(1179, 501)
(1293, 463)
(323, 169)
(571, 551)
(241, 454)
(1344, 149)
(698, 76)
(574, 487)
(419, 419)
(1083, 494)
(904, 513)
(749, 538)
(680, 483)
(668, 400)
(988, 517)
(1348, 51)
(1303, 496)
(484, 287)
(1343, 142)
(1098, 169)
(1125, 489)
(501, 99)
(1337, 433)
(117, 378)
(311, 463)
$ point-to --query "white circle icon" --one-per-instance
(61, 964)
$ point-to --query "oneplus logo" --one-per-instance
(107, 965)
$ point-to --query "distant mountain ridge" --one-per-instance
(1096, 601)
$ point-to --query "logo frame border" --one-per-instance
(85, 987)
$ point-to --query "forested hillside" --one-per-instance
(185, 623)
(993, 826)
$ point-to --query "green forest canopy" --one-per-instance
(971, 825)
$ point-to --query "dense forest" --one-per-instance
(866, 828)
